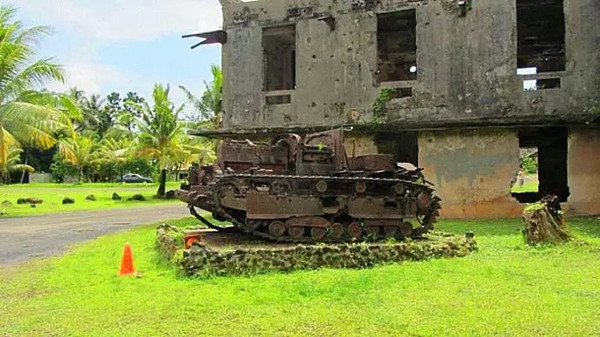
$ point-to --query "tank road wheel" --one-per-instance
(296, 232)
(423, 201)
(390, 231)
(337, 231)
(318, 233)
(354, 230)
(360, 187)
(321, 186)
(276, 228)
(398, 189)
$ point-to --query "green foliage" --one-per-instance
(209, 107)
(379, 106)
(530, 164)
(537, 206)
(61, 169)
(505, 289)
(27, 117)
(160, 131)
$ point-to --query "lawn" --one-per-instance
(53, 194)
(506, 288)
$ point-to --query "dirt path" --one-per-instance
(36, 236)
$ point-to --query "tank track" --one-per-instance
(426, 218)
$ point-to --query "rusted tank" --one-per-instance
(308, 190)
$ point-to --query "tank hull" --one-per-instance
(318, 208)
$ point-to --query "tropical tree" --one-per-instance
(14, 162)
(79, 152)
(159, 132)
(209, 107)
(114, 154)
(131, 111)
(25, 119)
(91, 108)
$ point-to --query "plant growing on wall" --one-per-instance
(379, 106)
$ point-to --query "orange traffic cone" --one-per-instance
(127, 262)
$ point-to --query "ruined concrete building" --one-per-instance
(455, 86)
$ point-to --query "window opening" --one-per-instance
(279, 99)
(548, 83)
(541, 35)
(397, 46)
(279, 48)
(403, 145)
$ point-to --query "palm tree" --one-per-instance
(210, 105)
(160, 131)
(24, 118)
(114, 153)
(90, 109)
(79, 152)
(14, 162)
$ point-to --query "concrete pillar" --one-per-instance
(472, 171)
(583, 169)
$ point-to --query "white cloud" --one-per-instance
(117, 20)
(93, 24)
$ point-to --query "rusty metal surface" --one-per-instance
(305, 190)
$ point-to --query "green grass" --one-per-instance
(504, 289)
(53, 194)
(530, 186)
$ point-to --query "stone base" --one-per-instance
(237, 254)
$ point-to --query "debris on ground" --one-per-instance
(67, 200)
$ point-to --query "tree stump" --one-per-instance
(544, 223)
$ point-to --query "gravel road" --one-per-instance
(24, 238)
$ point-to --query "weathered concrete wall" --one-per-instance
(466, 65)
(472, 171)
(584, 171)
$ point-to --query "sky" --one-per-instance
(126, 45)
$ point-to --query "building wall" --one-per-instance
(584, 171)
(466, 65)
(472, 171)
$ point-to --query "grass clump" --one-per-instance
(507, 288)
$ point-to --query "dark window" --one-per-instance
(548, 83)
(541, 35)
(397, 46)
(279, 99)
(403, 145)
(279, 46)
